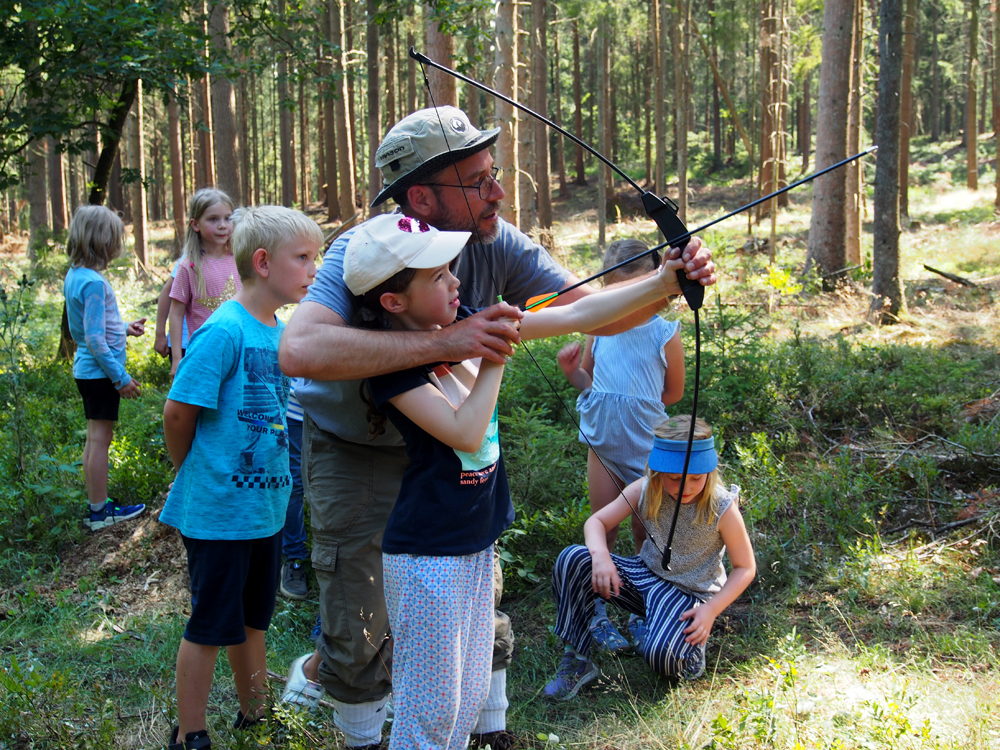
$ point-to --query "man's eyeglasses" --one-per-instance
(484, 186)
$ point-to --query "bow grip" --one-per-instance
(665, 216)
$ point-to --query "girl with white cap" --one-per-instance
(679, 605)
(454, 501)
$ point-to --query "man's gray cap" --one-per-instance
(426, 142)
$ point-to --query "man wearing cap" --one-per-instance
(437, 166)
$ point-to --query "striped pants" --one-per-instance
(642, 593)
(441, 614)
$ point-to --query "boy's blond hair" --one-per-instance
(676, 428)
(268, 227)
(96, 237)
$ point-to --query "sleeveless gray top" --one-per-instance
(696, 560)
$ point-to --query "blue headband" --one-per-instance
(667, 456)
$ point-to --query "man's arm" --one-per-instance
(318, 344)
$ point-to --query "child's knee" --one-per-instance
(674, 659)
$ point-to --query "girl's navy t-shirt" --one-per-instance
(450, 502)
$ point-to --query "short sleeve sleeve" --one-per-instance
(530, 269)
(183, 287)
(210, 359)
(668, 330)
(386, 387)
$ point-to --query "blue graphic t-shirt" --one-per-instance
(234, 483)
(450, 502)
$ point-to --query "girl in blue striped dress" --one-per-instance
(626, 380)
(679, 605)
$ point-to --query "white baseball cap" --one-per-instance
(385, 245)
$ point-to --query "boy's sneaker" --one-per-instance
(606, 636)
(573, 674)
(300, 690)
(193, 741)
(294, 584)
(111, 514)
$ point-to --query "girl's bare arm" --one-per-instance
(673, 379)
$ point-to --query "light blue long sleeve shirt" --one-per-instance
(96, 326)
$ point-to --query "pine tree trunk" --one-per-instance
(505, 81)
(853, 206)
(539, 57)
(374, 91)
(525, 131)
(826, 228)
(112, 136)
(906, 105)
(560, 140)
(681, 110)
(345, 150)
(971, 131)
(659, 114)
(176, 174)
(441, 49)
(600, 55)
(304, 174)
(38, 196)
(330, 127)
(225, 132)
(581, 174)
(888, 302)
(137, 190)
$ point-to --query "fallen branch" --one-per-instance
(951, 277)
(934, 527)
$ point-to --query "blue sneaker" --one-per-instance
(572, 675)
(637, 629)
(606, 636)
(111, 514)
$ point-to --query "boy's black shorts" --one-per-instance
(100, 398)
(233, 586)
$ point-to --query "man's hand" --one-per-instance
(131, 390)
(489, 334)
(697, 261)
(136, 327)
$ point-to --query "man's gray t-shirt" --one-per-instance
(513, 266)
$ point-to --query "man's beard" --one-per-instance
(460, 220)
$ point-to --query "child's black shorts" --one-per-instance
(100, 398)
(233, 586)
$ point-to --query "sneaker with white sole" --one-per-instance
(300, 690)
(111, 514)
(572, 675)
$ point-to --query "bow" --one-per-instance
(663, 211)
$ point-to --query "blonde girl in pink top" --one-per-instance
(207, 275)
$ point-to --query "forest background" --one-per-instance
(855, 391)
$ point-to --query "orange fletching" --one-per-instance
(534, 304)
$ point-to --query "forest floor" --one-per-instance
(881, 635)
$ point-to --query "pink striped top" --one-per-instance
(222, 281)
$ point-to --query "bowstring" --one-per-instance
(524, 344)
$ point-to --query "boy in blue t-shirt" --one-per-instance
(224, 424)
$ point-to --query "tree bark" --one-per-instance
(659, 114)
(581, 173)
(971, 131)
(826, 228)
(906, 105)
(110, 140)
(888, 302)
(852, 172)
(681, 109)
(304, 164)
(539, 58)
(176, 175)
(38, 197)
(560, 140)
(330, 126)
(57, 186)
(602, 109)
(345, 147)
(505, 81)
(225, 131)
(374, 94)
(440, 48)
(137, 190)
(996, 100)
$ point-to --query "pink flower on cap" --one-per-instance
(406, 225)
